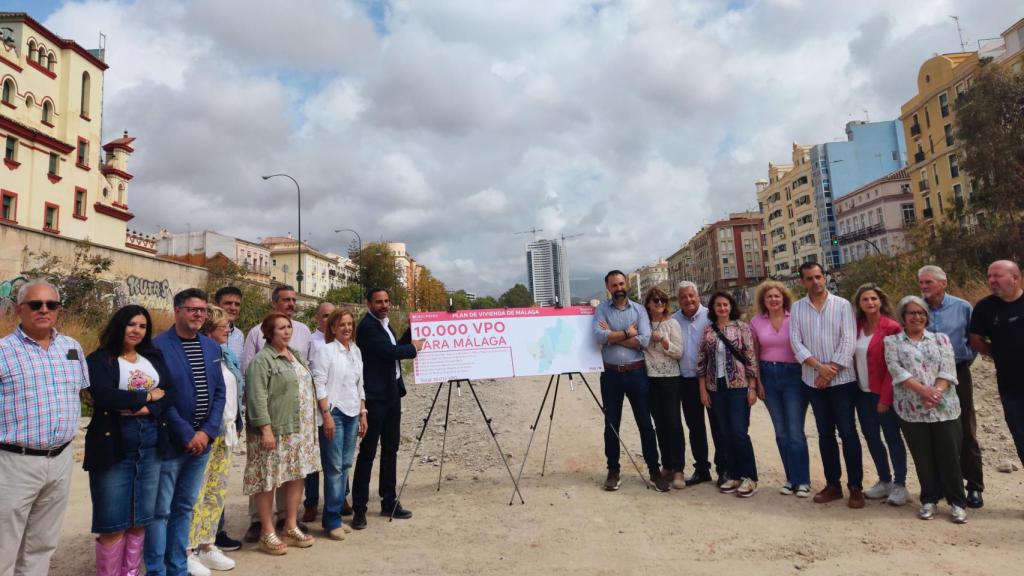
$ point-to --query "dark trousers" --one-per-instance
(312, 483)
(970, 451)
(693, 413)
(834, 410)
(383, 425)
(668, 420)
(1013, 412)
(935, 447)
(874, 426)
(732, 412)
(615, 387)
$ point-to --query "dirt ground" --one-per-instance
(570, 526)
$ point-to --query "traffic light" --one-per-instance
(835, 242)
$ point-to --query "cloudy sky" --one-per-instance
(451, 125)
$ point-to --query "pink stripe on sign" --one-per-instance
(535, 312)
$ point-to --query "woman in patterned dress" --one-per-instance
(281, 435)
(923, 372)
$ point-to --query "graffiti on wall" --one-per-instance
(9, 291)
(143, 288)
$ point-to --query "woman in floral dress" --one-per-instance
(281, 441)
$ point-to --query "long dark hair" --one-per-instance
(112, 339)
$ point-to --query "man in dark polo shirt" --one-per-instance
(623, 330)
(997, 331)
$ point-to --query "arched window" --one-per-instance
(32, 53)
(51, 62)
(42, 56)
(85, 94)
(29, 102)
(120, 193)
(47, 112)
(8, 91)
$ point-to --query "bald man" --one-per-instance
(311, 502)
(997, 331)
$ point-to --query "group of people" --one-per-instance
(170, 409)
(903, 372)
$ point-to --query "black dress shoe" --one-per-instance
(698, 478)
(400, 513)
(359, 519)
(346, 508)
(974, 499)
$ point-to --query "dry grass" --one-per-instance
(87, 333)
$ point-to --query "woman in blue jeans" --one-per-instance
(874, 395)
(727, 374)
(128, 378)
(338, 377)
(780, 385)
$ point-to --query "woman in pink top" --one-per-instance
(781, 388)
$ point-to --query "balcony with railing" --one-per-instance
(915, 129)
(922, 185)
(860, 234)
(919, 157)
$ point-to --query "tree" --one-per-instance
(84, 294)
(378, 268)
(485, 302)
(351, 294)
(255, 298)
(430, 295)
(460, 300)
(518, 296)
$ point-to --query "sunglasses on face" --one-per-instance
(658, 301)
(36, 305)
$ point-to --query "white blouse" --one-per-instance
(338, 376)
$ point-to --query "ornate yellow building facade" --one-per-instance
(57, 176)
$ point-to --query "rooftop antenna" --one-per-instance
(960, 33)
(533, 231)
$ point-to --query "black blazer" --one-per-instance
(379, 356)
(103, 446)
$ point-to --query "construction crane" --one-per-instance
(569, 237)
(533, 231)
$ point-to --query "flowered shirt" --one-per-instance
(925, 361)
(737, 375)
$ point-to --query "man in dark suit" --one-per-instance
(382, 381)
(193, 418)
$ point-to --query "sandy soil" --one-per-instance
(570, 526)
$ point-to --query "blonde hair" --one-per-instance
(334, 318)
(215, 316)
(762, 290)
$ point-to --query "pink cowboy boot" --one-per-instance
(109, 558)
(132, 554)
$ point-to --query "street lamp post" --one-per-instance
(360, 241)
(298, 273)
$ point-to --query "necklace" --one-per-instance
(131, 357)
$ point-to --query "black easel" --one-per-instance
(556, 380)
(444, 438)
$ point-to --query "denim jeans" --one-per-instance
(337, 456)
(168, 536)
(834, 410)
(732, 411)
(124, 495)
(786, 399)
(873, 426)
(615, 387)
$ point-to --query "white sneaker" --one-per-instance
(214, 559)
(787, 489)
(747, 488)
(803, 491)
(878, 491)
(195, 567)
(958, 514)
(927, 512)
(898, 496)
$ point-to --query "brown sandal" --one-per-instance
(273, 545)
(297, 538)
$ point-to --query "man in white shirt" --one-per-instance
(823, 333)
(316, 341)
(284, 300)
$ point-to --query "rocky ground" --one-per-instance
(570, 526)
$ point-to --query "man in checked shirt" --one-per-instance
(42, 373)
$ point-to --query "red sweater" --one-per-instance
(879, 379)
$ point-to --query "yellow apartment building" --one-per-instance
(929, 123)
(788, 214)
(57, 175)
(321, 271)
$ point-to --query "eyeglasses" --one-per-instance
(36, 305)
(194, 310)
(915, 313)
(658, 301)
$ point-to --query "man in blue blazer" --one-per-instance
(382, 381)
(194, 418)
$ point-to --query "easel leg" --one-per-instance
(444, 437)
(551, 424)
(614, 431)
(533, 430)
(415, 451)
(501, 453)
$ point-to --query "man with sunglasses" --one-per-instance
(194, 420)
(42, 373)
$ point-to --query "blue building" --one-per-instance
(871, 150)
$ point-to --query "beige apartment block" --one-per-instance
(725, 255)
(875, 217)
(788, 214)
(321, 271)
(57, 175)
(929, 122)
(649, 276)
